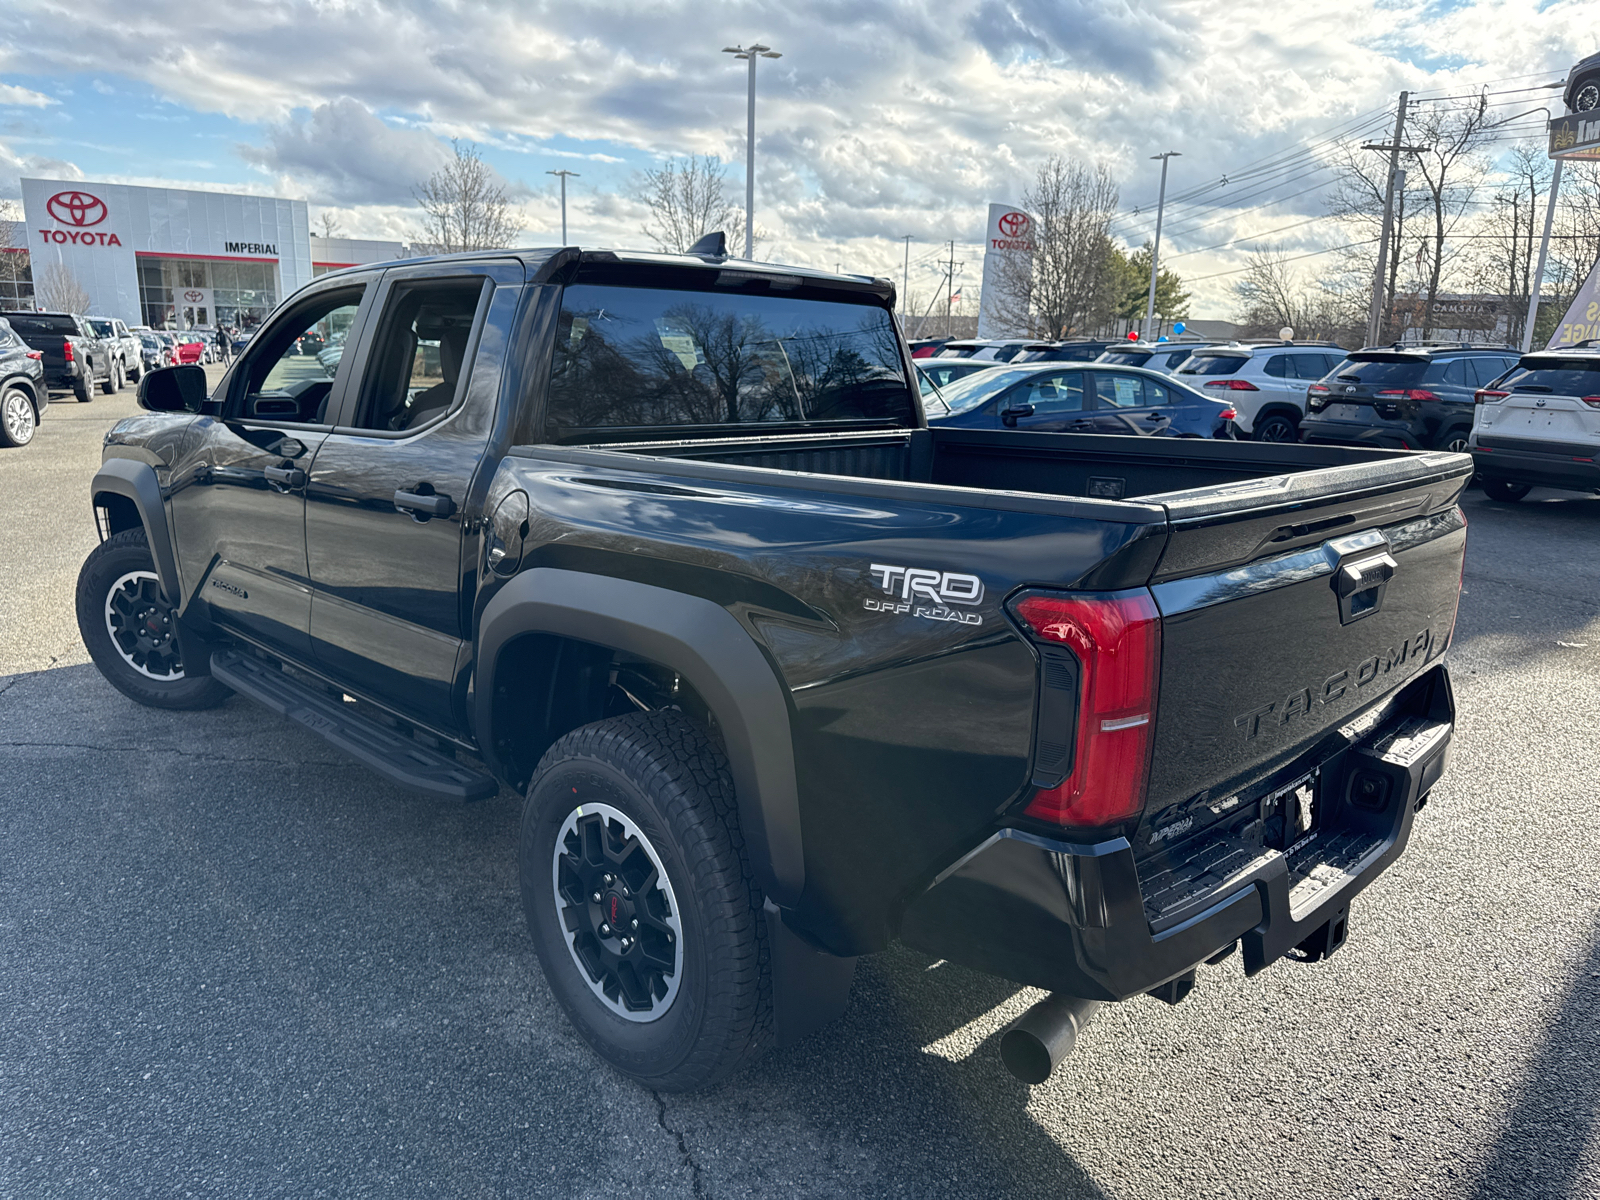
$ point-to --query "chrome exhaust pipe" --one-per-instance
(1040, 1039)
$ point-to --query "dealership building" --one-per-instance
(175, 259)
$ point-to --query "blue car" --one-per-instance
(1057, 397)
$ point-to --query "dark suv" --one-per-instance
(1405, 397)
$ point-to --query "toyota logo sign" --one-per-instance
(76, 208)
(1014, 224)
(194, 297)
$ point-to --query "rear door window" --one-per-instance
(1119, 391)
(631, 361)
(1456, 374)
(1308, 366)
(1278, 366)
(1053, 393)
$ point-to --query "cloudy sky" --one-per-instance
(883, 118)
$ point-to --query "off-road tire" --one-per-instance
(667, 777)
(1504, 490)
(83, 389)
(18, 419)
(112, 561)
(112, 384)
(1275, 427)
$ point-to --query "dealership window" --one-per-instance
(237, 293)
(16, 280)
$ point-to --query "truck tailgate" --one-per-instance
(1291, 605)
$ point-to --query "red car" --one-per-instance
(190, 349)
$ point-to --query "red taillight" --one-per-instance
(1229, 414)
(1116, 638)
(1407, 394)
(1488, 396)
(1592, 401)
(66, 351)
(1234, 385)
(34, 354)
(1320, 388)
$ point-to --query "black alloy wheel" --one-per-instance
(17, 418)
(1455, 441)
(1504, 490)
(640, 902)
(1276, 428)
(129, 627)
(1587, 97)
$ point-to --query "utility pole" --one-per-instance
(1544, 249)
(949, 283)
(1396, 178)
(905, 271)
(750, 53)
(565, 175)
(1155, 252)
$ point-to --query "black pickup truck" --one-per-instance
(75, 356)
(665, 544)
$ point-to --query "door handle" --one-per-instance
(1154, 417)
(290, 477)
(426, 503)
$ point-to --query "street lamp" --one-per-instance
(1155, 251)
(750, 53)
(564, 176)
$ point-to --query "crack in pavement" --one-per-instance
(194, 754)
(697, 1181)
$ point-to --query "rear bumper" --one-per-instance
(1073, 918)
(1358, 433)
(1538, 470)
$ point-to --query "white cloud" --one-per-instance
(12, 96)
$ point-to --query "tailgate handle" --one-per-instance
(1360, 586)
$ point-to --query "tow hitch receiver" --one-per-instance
(1326, 939)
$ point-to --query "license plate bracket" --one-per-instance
(1291, 815)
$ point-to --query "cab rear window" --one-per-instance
(642, 362)
(23, 323)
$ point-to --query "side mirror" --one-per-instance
(1009, 416)
(173, 389)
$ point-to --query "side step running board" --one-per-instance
(401, 759)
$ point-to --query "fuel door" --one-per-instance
(507, 528)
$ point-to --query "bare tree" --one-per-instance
(13, 245)
(464, 208)
(1356, 201)
(331, 226)
(688, 198)
(1273, 294)
(57, 289)
(1452, 169)
(1072, 283)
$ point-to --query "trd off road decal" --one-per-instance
(926, 593)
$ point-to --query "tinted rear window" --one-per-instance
(1124, 359)
(1353, 370)
(1581, 378)
(1201, 363)
(641, 359)
(26, 323)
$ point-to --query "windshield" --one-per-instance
(1201, 363)
(103, 328)
(964, 395)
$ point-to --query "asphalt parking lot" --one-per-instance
(233, 962)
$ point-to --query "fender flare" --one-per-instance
(137, 482)
(705, 644)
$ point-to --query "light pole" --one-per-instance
(750, 53)
(905, 271)
(1155, 250)
(564, 177)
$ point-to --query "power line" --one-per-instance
(1254, 237)
(1294, 258)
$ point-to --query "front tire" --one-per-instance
(1275, 428)
(17, 418)
(665, 975)
(130, 628)
(1504, 490)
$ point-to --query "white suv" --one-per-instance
(1165, 357)
(1540, 424)
(1266, 384)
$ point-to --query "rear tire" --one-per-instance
(129, 628)
(1275, 428)
(83, 389)
(612, 809)
(1454, 440)
(113, 380)
(1504, 490)
(17, 418)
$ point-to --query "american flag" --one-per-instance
(955, 298)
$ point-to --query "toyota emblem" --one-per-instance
(1014, 224)
(1539, 402)
(1349, 391)
(76, 208)
(194, 297)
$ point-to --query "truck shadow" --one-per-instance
(1549, 1147)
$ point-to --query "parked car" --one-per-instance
(1078, 350)
(75, 357)
(942, 372)
(1540, 424)
(153, 352)
(784, 674)
(241, 339)
(23, 394)
(1407, 397)
(986, 350)
(1266, 383)
(1165, 357)
(926, 347)
(1582, 92)
(124, 345)
(169, 342)
(188, 348)
(1051, 398)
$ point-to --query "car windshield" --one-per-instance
(1201, 363)
(103, 328)
(964, 395)
(149, 343)
(1562, 377)
(1380, 372)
